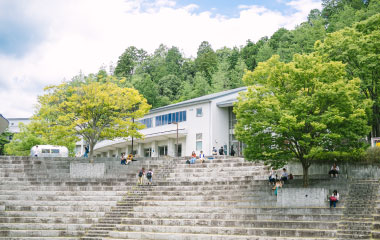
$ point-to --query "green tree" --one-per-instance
(94, 111)
(206, 60)
(129, 60)
(358, 48)
(300, 109)
(23, 141)
(4, 139)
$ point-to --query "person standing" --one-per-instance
(36, 151)
(149, 176)
(221, 151)
(86, 151)
(232, 151)
(214, 151)
(141, 176)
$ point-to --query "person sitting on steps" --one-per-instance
(129, 158)
(272, 176)
(202, 157)
(334, 198)
(193, 157)
(284, 176)
(122, 159)
(334, 171)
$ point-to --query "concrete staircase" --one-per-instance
(222, 199)
(359, 208)
(39, 200)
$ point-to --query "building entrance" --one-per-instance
(179, 150)
(162, 150)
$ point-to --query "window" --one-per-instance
(147, 122)
(199, 112)
(45, 150)
(198, 141)
(55, 151)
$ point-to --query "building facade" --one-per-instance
(197, 125)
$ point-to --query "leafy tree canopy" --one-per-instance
(93, 110)
(299, 109)
(358, 48)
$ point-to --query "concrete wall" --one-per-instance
(302, 197)
(349, 170)
(87, 170)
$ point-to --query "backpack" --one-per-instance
(149, 175)
(141, 173)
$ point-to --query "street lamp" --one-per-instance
(176, 123)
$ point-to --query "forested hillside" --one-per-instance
(166, 76)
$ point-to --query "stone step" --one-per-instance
(27, 203)
(150, 231)
(226, 197)
(280, 216)
(242, 210)
(50, 214)
(42, 226)
(186, 203)
(63, 193)
(77, 208)
(231, 223)
(49, 234)
(54, 198)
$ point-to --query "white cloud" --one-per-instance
(83, 35)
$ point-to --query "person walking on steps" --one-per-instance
(141, 176)
(149, 176)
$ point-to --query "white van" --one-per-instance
(49, 151)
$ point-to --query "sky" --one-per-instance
(45, 42)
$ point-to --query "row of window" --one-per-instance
(169, 118)
(148, 122)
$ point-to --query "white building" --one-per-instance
(14, 124)
(203, 123)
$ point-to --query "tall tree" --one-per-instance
(129, 60)
(358, 48)
(94, 111)
(206, 60)
(299, 110)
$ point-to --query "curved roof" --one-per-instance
(205, 98)
(4, 123)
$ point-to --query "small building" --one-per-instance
(3, 123)
(203, 123)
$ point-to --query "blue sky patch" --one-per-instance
(229, 8)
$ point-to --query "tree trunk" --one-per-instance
(91, 153)
(305, 168)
